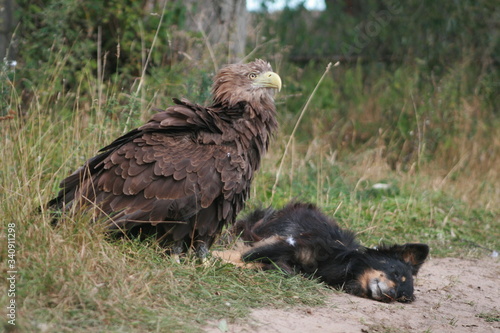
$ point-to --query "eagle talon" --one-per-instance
(202, 251)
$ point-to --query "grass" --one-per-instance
(409, 211)
(92, 284)
(73, 279)
(490, 317)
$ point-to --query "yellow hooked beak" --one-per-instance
(268, 80)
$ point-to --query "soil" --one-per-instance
(453, 295)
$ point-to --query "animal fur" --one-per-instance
(301, 239)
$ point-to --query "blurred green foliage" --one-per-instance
(408, 112)
(79, 36)
(72, 26)
(430, 32)
(415, 76)
(94, 53)
(433, 37)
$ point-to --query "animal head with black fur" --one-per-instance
(301, 239)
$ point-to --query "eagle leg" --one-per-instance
(176, 250)
(201, 249)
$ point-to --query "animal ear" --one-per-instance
(414, 254)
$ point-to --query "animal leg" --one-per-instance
(176, 250)
(201, 250)
(278, 254)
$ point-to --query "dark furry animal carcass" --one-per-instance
(301, 239)
(187, 172)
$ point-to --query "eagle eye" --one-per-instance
(252, 76)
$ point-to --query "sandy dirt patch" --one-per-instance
(453, 295)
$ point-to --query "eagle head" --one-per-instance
(254, 82)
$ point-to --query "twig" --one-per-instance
(297, 125)
(101, 65)
(143, 74)
(256, 48)
(207, 41)
(419, 132)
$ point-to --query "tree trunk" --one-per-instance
(223, 24)
(7, 25)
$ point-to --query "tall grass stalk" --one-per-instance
(278, 173)
(145, 65)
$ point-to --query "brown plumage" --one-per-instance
(187, 172)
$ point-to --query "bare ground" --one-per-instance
(453, 295)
